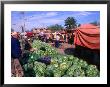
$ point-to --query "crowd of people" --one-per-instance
(57, 37)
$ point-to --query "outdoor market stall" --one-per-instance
(87, 42)
(88, 36)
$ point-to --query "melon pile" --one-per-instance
(60, 65)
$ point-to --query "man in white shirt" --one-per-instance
(57, 38)
(57, 43)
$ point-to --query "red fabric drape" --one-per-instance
(89, 38)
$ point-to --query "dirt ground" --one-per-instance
(64, 48)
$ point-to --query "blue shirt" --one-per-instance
(15, 48)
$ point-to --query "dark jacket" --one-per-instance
(15, 48)
(27, 46)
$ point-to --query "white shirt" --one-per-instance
(41, 33)
(55, 34)
(57, 37)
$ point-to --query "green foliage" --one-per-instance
(55, 27)
(60, 66)
(70, 23)
(48, 49)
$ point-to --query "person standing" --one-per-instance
(15, 46)
(65, 38)
(57, 43)
(41, 34)
(16, 54)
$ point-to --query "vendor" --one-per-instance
(28, 45)
(16, 55)
(15, 46)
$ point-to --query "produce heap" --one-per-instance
(60, 65)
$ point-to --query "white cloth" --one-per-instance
(55, 34)
(22, 34)
(57, 37)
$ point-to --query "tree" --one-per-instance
(95, 23)
(79, 25)
(70, 23)
(55, 27)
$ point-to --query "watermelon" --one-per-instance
(60, 66)
(29, 73)
(54, 61)
(49, 71)
(92, 71)
(57, 72)
(39, 68)
(70, 58)
(78, 73)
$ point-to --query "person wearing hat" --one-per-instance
(28, 45)
(16, 53)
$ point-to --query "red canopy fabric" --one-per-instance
(87, 36)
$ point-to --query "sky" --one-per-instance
(39, 19)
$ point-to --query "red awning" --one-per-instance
(87, 36)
